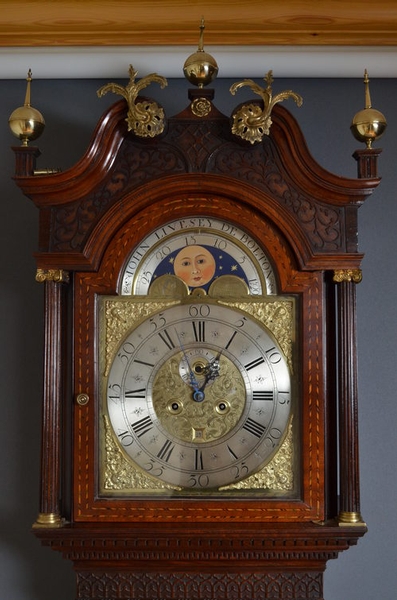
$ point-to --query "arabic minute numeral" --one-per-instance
(281, 397)
(125, 438)
(199, 310)
(158, 321)
(240, 471)
(273, 355)
(114, 392)
(199, 480)
(125, 352)
(154, 469)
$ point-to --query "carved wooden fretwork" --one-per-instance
(200, 586)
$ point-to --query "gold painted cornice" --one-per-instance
(147, 23)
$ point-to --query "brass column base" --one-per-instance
(353, 519)
(48, 520)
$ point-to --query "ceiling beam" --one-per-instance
(176, 22)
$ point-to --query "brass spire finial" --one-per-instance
(25, 122)
(201, 39)
(368, 124)
(200, 68)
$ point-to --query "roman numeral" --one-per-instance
(232, 453)
(166, 451)
(254, 363)
(199, 331)
(257, 429)
(231, 339)
(165, 336)
(142, 426)
(142, 362)
(263, 395)
(198, 460)
(141, 393)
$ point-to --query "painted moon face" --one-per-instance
(195, 265)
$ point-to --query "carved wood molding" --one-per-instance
(278, 174)
(118, 23)
(201, 544)
(201, 586)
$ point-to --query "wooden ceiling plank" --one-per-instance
(159, 22)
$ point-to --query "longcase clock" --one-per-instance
(200, 396)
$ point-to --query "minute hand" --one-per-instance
(192, 380)
(211, 371)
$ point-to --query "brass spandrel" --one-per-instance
(277, 475)
(277, 316)
(120, 474)
(119, 316)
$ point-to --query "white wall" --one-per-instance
(71, 109)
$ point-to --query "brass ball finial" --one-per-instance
(368, 124)
(200, 68)
(26, 122)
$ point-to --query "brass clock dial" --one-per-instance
(199, 395)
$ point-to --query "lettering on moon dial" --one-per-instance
(198, 250)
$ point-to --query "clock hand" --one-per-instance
(192, 380)
(212, 370)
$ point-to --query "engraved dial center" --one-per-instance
(189, 373)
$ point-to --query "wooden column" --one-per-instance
(50, 491)
(349, 475)
(349, 508)
(25, 160)
(367, 162)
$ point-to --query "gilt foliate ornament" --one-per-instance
(146, 118)
(252, 121)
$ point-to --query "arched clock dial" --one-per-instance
(231, 249)
(199, 395)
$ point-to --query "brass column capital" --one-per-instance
(354, 275)
(56, 275)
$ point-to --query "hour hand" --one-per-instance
(211, 371)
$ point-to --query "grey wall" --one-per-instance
(71, 109)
